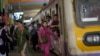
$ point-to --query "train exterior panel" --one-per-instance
(77, 40)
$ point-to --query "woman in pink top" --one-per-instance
(44, 30)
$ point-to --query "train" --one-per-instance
(79, 26)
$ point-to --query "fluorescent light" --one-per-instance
(26, 21)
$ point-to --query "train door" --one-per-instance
(59, 39)
(62, 28)
(59, 43)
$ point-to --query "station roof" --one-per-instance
(29, 7)
(24, 5)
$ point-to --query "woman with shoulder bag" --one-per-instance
(44, 34)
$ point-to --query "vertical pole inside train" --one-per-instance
(56, 8)
(1, 6)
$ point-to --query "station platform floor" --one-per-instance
(31, 52)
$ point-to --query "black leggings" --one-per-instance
(34, 41)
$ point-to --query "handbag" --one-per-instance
(44, 39)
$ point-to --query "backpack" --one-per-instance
(3, 47)
(1, 39)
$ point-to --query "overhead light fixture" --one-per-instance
(44, 3)
(27, 21)
(18, 15)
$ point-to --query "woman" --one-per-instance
(44, 31)
(22, 37)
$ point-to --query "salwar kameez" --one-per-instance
(22, 37)
(45, 47)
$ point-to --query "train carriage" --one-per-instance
(79, 26)
(82, 27)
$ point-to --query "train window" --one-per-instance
(53, 12)
(50, 12)
(90, 13)
(45, 13)
(87, 12)
(61, 29)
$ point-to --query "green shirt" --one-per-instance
(22, 37)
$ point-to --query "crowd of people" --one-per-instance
(35, 34)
